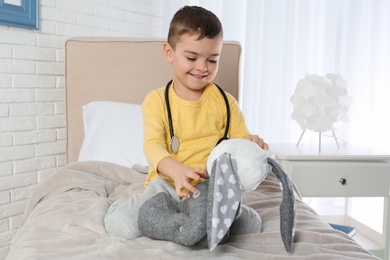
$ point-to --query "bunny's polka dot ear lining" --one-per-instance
(226, 200)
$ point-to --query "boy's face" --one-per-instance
(195, 64)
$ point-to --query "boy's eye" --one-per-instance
(208, 60)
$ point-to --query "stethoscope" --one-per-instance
(175, 142)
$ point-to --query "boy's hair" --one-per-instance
(194, 20)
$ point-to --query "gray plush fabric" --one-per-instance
(287, 208)
(162, 218)
(121, 218)
(248, 222)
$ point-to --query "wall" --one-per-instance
(32, 90)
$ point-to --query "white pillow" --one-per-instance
(113, 132)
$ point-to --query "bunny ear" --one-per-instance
(287, 208)
(224, 199)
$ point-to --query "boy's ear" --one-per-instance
(167, 52)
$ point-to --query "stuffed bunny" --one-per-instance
(207, 218)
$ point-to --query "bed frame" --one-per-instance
(123, 70)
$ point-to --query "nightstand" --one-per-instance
(348, 171)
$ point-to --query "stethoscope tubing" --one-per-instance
(174, 139)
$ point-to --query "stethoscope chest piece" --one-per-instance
(174, 144)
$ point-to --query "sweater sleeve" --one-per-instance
(155, 134)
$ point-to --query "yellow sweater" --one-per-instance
(198, 125)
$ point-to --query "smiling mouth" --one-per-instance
(199, 76)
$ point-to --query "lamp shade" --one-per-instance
(321, 103)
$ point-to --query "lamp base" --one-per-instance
(319, 139)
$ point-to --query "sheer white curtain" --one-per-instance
(285, 39)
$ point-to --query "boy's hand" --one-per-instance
(183, 181)
(181, 175)
(259, 141)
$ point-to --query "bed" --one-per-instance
(64, 215)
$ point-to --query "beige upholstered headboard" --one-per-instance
(123, 70)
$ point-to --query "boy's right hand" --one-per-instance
(181, 175)
(183, 181)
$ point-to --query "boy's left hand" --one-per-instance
(259, 141)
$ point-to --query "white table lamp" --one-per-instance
(321, 103)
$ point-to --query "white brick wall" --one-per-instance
(32, 90)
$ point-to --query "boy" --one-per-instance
(198, 108)
(198, 117)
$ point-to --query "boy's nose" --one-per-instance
(202, 66)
